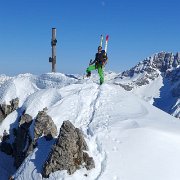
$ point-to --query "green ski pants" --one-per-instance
(100, 71)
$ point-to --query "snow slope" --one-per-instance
(156, 79)
(150, 91)
(24, 85)
(128, 138)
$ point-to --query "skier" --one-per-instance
(99, 62)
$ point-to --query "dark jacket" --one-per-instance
(100, 58)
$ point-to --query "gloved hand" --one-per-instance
(91, 62)
(104, 62)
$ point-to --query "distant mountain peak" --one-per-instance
(166, 60)
(161, 61)
(163, 67)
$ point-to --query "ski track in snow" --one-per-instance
(103, 161)
(93, 104)
(90, 132)
(90, 129)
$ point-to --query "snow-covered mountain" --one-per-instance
(127, 137)
(156, 79)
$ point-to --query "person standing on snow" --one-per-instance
(99, 62)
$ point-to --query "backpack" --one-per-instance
(101, 59)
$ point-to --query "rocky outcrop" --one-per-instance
(2, 116)
(164, 61)
(44, 125)
(127, 87)
(22, 140)
(25, 121)
(5, 146)
(24, 143)
(161, 61)
(5, 109)
(68, 152)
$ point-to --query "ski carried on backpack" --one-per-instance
(101, 40)
(101, 43)
(106, 43)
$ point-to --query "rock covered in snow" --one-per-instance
(127, 87)
(5, 110)
(164, 61)
(68, 152)
(44, 125)
(24, 143)
(161, 61)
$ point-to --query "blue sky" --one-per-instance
(137, 29)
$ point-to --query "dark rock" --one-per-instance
(68, 152)
(127, 87)
(88, 161)
(2, 115)
(14, 104)
(22, 140)
(6, 148)
(24, 144)
(5, 136)
(5, 110)
(176, 60)
(44, 125)
(48, 137)
(14, 130)
(142, 81)
(25, 121)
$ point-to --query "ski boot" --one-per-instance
(88, 74)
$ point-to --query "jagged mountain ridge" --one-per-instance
(162, 61)
(161, 65)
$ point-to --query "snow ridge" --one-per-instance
(126, 135)
(89, 131)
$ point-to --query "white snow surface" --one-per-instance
(150, 91)
(128, 138)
